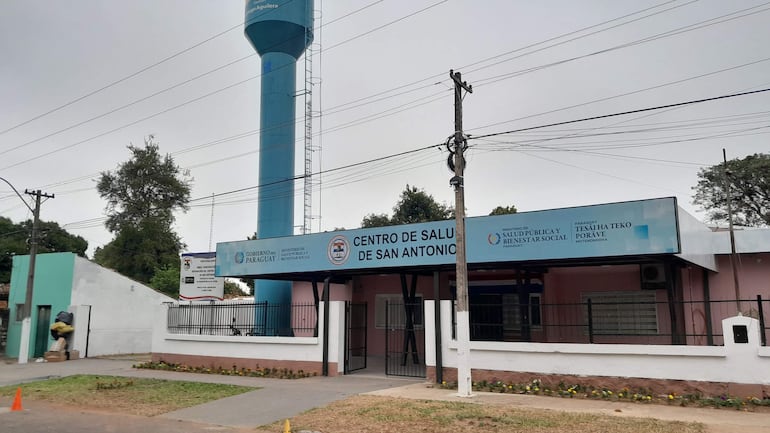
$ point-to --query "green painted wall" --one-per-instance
(52, 286)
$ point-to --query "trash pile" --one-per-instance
(61, 330)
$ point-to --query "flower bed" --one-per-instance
(640, 395)
(274, 373)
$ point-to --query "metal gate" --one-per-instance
(404, 339)
(355, 337)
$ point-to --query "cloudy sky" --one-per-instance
(79, 81)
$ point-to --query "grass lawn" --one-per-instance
(361, 414)
(370, 414)
(136, 396)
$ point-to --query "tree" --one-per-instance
(414, 206)
(52, 238)
(142, 195)
(376, 220)
(503, 210)
(232, 290)
(249, 281)
(749, 183)
(166, 280)
(417, 206)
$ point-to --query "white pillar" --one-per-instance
(464, 382)
(24, 345)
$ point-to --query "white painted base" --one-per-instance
(464, 382)
(24, 344)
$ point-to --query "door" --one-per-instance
(355, 337)
(404, 339)
(42, 330)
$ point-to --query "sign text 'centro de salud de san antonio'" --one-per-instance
(642, 227)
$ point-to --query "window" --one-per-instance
(19, 312)
(396, 311)
(622, 313)
(512, 311)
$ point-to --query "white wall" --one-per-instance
(736, 363)
(122, 311)
(247, 347)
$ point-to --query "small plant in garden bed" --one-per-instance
(115, 384)
(640, 395)
(274, 373)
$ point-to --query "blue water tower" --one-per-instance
(280, 31)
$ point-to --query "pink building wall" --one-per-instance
(568, 285)
(302, 293)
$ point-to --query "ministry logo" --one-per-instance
(239, 257)
(338, 250)
(493, 238)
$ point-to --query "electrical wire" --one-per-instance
(622, 113)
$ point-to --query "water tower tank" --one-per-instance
(280, 31)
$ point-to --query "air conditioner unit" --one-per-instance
(653, 276)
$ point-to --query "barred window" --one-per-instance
(512, 311)
(622, 313)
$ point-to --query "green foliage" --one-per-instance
(51, 238)
(417, 206)
(414, 206)
(233, 289)
(749, 186)
(249, 281)
(376, 220)
(275, 373)
(142, 195)
(148, 186)
(138, 252)
(503, 210)
(166, 280)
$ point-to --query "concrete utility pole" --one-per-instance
(26, 323)
(464, 383)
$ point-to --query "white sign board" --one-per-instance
(196, 278)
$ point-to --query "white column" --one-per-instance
(26, 326)
(464, 382)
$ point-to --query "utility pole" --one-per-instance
(733, 263)
(457, 148)
(26, 324)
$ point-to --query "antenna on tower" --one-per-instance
(312, 150)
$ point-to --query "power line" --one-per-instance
(622, 113)
(192, 100)
(325, 50)
(349, 124)
(125, 78)
(674, 32)
(142, 99)
(89, 222)
(439, 145)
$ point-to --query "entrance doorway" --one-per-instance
(404, 339)
(42, 330)
(355, 337)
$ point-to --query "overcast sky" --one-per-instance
(382, 85)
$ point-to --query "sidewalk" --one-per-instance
(275, 400)
(280, 399)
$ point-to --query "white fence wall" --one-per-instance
(121, 311)
(733, 363)
(308, 349)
